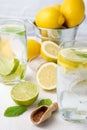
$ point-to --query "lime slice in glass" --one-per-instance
(20, 71)
(18, 29)
(25, 93)
(8, 66)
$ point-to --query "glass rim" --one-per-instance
(74, 40)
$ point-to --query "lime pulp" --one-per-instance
(25, 93)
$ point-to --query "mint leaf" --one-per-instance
(82, 55)
(14, 111)
(46, 102)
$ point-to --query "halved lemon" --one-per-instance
(73, 57)
(49, 51)
(46, 76)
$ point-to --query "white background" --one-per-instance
(16, 8)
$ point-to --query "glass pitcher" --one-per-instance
(13, 50)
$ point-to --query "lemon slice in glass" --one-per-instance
(46, 76)
(25, 93)
(73, 57)
(49, 51)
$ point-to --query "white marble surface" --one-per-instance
(15, 8)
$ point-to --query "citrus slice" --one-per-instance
(25, 93)
(17, 29)
(46, 76)
(33, 48)
(19, 73)
(73, 57)
(5, 48)
(49, 51)
(8, 66)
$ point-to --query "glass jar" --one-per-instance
(13, 50)
(72, 80)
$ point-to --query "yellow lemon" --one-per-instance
(49, 18)
(57, 6)
(49, 51)
(33, 48)
(46, 76)
(5, 48)
(73, 11)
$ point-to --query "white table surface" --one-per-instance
(23, 122)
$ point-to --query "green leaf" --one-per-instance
(46, 102)
(14, 111)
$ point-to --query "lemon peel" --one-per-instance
(49, 17)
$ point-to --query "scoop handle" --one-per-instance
(54, 107)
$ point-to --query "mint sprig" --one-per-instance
(46, 102)
(14, 111)
(84, 55)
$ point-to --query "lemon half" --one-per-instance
(46, 76)
(49, 51)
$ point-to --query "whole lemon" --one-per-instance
(33, 47)
(57, 6)
(73, 11)
(49, 17)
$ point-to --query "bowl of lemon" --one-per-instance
(59, 23)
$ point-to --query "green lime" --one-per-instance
(18, 29)
(18, 73)
(25, 93)
(8, 66)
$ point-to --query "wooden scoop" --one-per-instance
(42, 113)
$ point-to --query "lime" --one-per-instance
(18, 73)
(25, 93)
(8, 66)
(18, 29)
(73, 57)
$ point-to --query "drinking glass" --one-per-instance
(13, 50)
(72, 80)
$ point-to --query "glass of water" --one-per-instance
(72, 80)
(13, 50)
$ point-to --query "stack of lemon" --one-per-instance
(70, 14)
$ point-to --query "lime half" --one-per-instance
(25, 93)
(8, 66)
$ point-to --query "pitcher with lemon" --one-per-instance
(13, 50)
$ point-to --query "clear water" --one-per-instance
(72, 94)
(14, 48)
